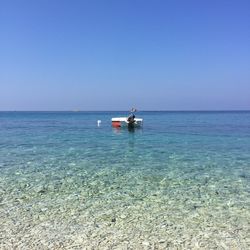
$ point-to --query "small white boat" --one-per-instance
(123, 122)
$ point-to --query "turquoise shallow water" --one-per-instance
(182, 181)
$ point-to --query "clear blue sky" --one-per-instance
(112, 55)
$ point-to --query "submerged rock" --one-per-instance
(40, 189)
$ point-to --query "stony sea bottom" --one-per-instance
(67, 184)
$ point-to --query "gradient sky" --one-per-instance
(112, 55)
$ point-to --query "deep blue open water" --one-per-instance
(181, 181)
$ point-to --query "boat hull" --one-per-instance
(118, 122)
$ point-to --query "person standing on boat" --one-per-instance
(131, 118)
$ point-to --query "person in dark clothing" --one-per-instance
(131, 118)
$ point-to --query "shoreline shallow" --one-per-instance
(102, 210)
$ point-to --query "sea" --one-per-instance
(181, 181)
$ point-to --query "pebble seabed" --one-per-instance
(123, 208)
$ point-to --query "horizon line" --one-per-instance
(161, 110)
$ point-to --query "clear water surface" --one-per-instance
(182, 181)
